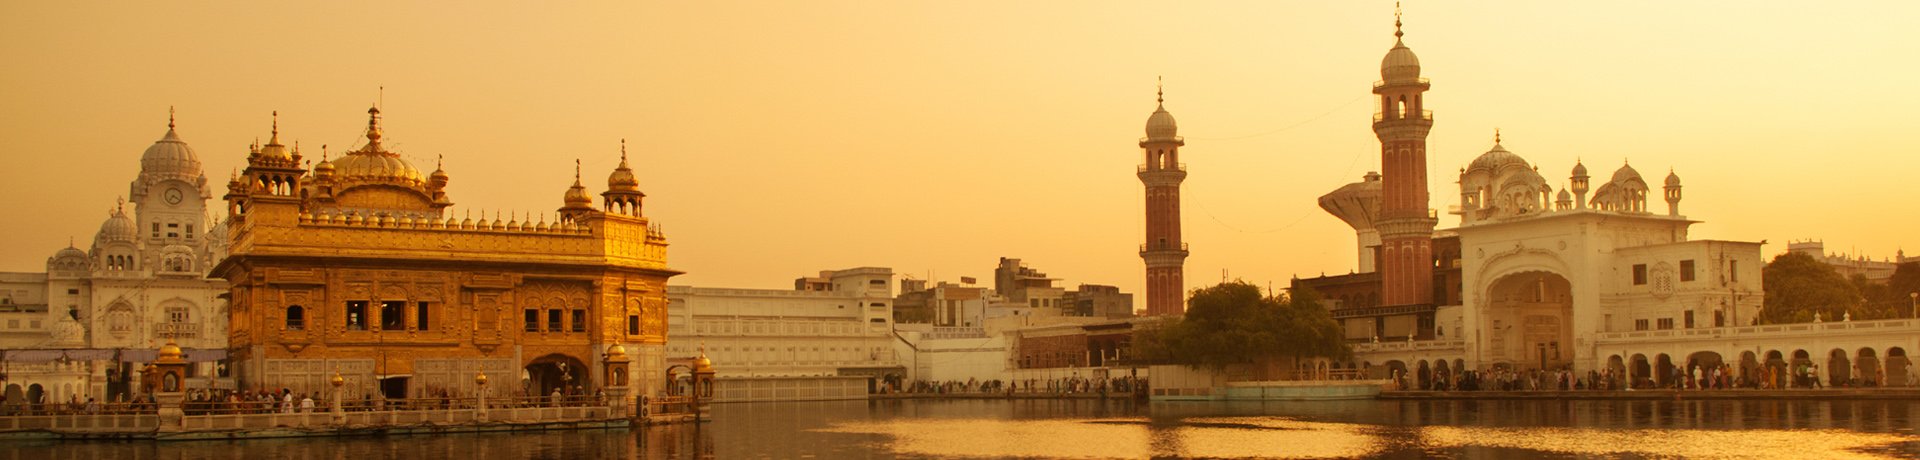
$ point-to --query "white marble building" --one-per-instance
(82, 328)
(789, 344)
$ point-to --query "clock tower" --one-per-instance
(169, 198)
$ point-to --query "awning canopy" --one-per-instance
(195, 355)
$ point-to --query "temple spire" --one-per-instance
(169, 118)
(1396, 22)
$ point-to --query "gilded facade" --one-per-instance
(355, 266)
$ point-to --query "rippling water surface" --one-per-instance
(1085, 429)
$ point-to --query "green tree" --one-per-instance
(1233, 323)
(1897, 293)
(1797, 286)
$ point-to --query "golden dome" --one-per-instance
(170, 354)
(616, 350)
(576, 196)
(480, 379)
(337, 381)
(702, 365)
(622, 179)
(374, 164)
(274, 149)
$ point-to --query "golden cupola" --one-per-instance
(373, 164)
(623, 196)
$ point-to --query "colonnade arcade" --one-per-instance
(1837, 366)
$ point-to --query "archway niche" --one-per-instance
(1529, 316)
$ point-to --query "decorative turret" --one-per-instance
(1579, 184)
(623, 195)
(1673, 193)
(576, 204)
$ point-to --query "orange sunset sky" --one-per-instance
(775, 139)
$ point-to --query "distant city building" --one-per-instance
(831, 337)
(356, 268)
(1877, 271)
(82, 328)
(1021, 284)
(1164, 252)
(1097, 301)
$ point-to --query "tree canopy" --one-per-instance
(1797, 285)
(1234, 323)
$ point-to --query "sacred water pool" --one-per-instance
(1091, 429)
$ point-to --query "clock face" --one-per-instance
(173, 196)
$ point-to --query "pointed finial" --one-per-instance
(1496, 136)
(576, 164)
(276, 126)
(169, 118)
(623, 151)
(323, 153)
(1396, 21)
(1159, 89)
(440, 161)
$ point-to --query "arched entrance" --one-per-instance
(1839, 368)
(1868, 367)
(1749, 369)
(1640, 375)
(1397, 370)
(36, 398)
(1442, 374)
(1530, 319)
(1422, 378)
(1796, 369)
(1663, 371)
(556, 372)
(1616, 371)
(1700, 366)
(1899, 368)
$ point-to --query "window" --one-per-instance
(1666, 323)
(393, 315)
(533, 320)
(1640, 324)
(1733, 271)
(189, 231)
(553, 320)
(633, 324)
(357, 315)
(1639, 274)
(156, 229)
(1719, 318)
(421, 318)
(73, 291)
(296, 318)
(579, 321)
(1688, 318)
(1686, 270)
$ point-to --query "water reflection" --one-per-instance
(1092, 429)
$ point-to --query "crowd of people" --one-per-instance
(1689, 377)
(1057, 386)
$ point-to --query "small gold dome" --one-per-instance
(616, 351)
(337, 380)
(622, 179)
(480, 379)
(702, 365)
(170, 353)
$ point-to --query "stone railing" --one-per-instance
(1418, 345)
(1766, 330)
(944, 332)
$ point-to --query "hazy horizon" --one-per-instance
(775, 140)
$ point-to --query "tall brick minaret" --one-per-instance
(1405, 224)
(1164, 252)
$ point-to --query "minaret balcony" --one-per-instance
(1425, 115)
(1181, 167)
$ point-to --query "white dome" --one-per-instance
(1400, 65)
(1496, 159)
(1673, 179)
(1160, 125)
(1579, 169)
(170, 155)
(118, 227)
(1626, 173)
